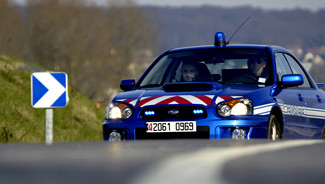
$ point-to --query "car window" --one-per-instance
(156, 74)
(282, 66)
(296, 69)
(232, 66)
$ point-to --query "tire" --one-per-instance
(323, 136)
(274, 129)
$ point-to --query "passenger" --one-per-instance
(256, 66)
(256, 71)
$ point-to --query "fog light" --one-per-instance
(238, 134)
(114, 137)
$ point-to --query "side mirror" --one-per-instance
(127, 84)
(292, 80)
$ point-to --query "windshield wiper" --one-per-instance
(231, 83)
(150, 86)
(254, 83)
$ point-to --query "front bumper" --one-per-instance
(254, 127)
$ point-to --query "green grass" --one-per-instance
(80, 120)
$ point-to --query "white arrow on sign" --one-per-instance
(55, 90)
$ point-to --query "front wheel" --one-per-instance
(274, 129)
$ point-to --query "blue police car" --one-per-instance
(219, 91)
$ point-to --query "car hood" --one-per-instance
(205, 94)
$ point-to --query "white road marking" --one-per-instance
(205, 166)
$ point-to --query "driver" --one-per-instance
(189, 72)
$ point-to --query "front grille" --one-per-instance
(202, 132)
(165, 112)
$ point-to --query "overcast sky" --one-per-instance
(265, 4)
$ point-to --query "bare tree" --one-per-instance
(94, 46)
(11, 29)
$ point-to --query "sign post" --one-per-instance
(49, 90)
(49, 126)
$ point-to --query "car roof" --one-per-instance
(235, 46)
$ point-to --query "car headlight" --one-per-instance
(236, 107)
(117, 110)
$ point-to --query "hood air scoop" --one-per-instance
(196, 86)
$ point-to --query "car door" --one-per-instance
(292, 102)
(313, 100)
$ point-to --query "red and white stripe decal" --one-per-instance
(225, 98)
(176, 99)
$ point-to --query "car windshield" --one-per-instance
(225, 66)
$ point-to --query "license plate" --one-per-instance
(171, 126)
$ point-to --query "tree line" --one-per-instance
(99, 46)
(295, 28)
(95, 46)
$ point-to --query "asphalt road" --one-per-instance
(165, 161)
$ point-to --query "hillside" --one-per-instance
(20, 122)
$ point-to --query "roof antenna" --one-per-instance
(238, 29)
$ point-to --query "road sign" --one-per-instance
(49, 89)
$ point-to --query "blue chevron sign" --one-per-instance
(49, 89)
